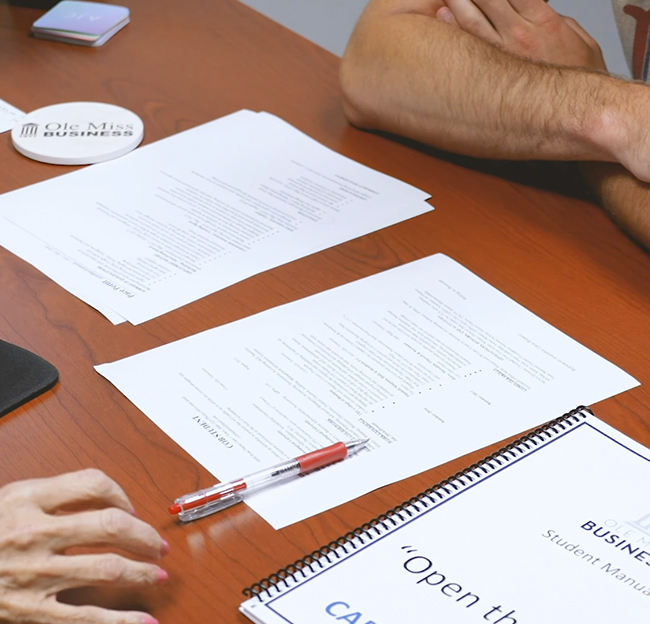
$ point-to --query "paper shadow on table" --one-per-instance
(23, 376)
(555, 176)
(562, 177)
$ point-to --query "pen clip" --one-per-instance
(209, 508)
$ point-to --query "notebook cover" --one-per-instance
(23, 376)
(329, 555)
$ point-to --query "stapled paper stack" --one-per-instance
(81, 23)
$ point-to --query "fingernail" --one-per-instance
(165, 549)
(163, 577)
(134, 513)
(150, 620)
(444, 15)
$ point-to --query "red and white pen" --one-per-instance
(210, 500)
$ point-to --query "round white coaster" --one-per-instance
(78, 133)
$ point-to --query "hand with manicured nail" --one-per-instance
(41, 519)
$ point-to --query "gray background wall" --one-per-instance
(329, 22)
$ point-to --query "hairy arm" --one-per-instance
(624, 197)
(409, 72)
(538, 33)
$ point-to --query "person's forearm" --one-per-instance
(624, 197)
(407, 73)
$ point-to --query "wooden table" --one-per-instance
(180, 64)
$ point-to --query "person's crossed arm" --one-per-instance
(502, 79)
(42, 519)
(532, 29)
(406, 71)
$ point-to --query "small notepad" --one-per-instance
(81, 23)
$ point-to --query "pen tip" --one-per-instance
(355, 446)
(175, 508)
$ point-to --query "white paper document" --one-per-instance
(186, 216)
(9, 116)
(427, 360)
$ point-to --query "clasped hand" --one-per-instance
(528, 28)
(532, 29)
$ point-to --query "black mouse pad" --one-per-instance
(23, 376)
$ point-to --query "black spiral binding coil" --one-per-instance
(393, 517)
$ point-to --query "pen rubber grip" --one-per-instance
(322, 457)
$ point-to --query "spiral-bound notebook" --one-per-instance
(552, 528)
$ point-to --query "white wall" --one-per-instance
(328, 23)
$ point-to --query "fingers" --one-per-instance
(579, 30)
(85, 487)
(445, 15)
(106, 527)
(51, 575)
(34, 538)
(596, 60)
(53, 612)
(531, 10)
(112, 526)
(67, 572)
(501, 15)
(472, 20)
(90, 488)
(527, 28)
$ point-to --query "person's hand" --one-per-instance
(41, 519)
(529, 28)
